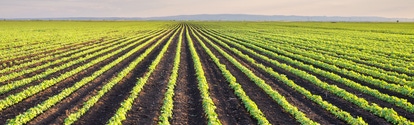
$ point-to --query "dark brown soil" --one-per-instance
(187, 100)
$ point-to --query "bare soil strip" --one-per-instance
(187, 99)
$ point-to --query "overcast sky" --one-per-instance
(151, 8)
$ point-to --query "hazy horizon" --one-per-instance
(158, 8)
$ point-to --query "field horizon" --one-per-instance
(233, 17)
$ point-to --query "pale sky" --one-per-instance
(154, 8)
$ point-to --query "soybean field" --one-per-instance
(169, 72)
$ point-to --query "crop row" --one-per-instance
(316, 98)
(385, 97)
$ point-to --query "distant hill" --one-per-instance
(244, 17)
(237, 17)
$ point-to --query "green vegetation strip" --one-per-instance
(207, 102)
(167, 107)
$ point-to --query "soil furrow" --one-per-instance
(187, 99)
